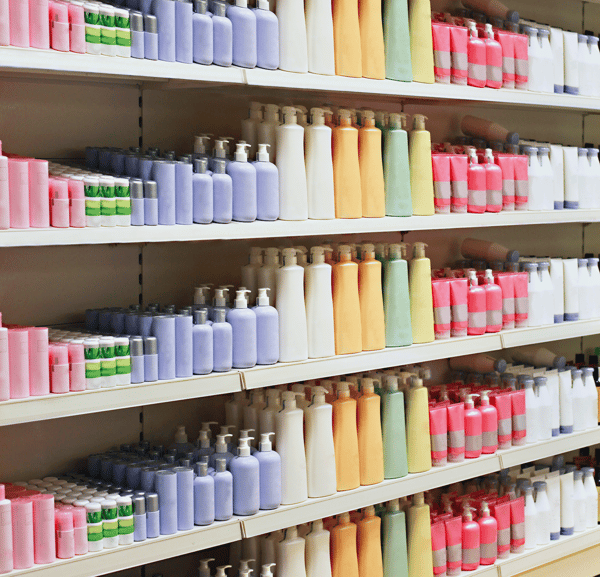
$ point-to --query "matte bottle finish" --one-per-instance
(396, 171)
(184, 195)
(471, 539)
(319, 34)
(346, 32)
(203, 36)
(421, 302)
(222, 35)
(291, 555)
(4, 41)
(346, 304)
(371, 301)
(371, 167)
(184, 34)
(243, 179)
(344, 553)
(318, 561)
(370, 562)
(267, 333)
(246, 487)
(203, 194)
(473, 429)
(393, 433)
(163, 173)
(202, 346)
(371, 37)
(164, 10)
(222, 344)
(184, 356)
(398, 65)
(222, 194)
(243, 23)
(396, 300)
(346, 169)
(267, 274)
(418, 443)
(223, 492)
(370, 444)
(204, 499)
(395, 556)
(269, 474)
(345, 440)
(420, 561)
(267, 37)
(421, 171)
(267, 187)
(293, 51)
(421, 41)
(319, 166)
(243, 328)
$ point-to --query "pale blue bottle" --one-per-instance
(222, 343)
(267, 36)
(203, 33)
(223, 491)
(204, 496)
(269, 473)
(267, 330)
(243, 326)
(267, 185)
(243, 22)
(246, 486)
(222, 35)
(222, 193)
(202, 344)
(243, 178)
(202, 186)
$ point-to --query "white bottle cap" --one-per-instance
(180, 435)
(219, 300)
(263, 298)
(244, 448)
(367, 385)
(318, 116)
(318, 254)
(244, 570)
(203, 568)
(289, 115)
(225, 428)
(271, 113)
(368, 118)
(489, 155)
(289, 257)
(241, 302)
(241, 147)
(393, 505)
(256, 110)
(205, 426)
(272, 256)
(265, 442)
(397, 250)
(472, 28)
(469, 401)
(345, 116)
(220, 150)
(473, 155)
(245, 433)
(289, 399)
(485, 398)
(489, 275)
(291, 532)
(222, 571)
(263, 149)
(221, 444)
(266, 570)
(318, 395)
(345, 252)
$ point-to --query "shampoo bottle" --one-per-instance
(269, 473)
(418, 442)
(267, 129)
(395, 556)
(471, 535)
(421, 41)
(370, 561)
(398, 64)
(371, 300)
(318, 561)
(243, 23)
(420, 561)
(250, 127)
(243, 327)
(291, 555)
(267, 330)
(345, 439)
(202, 344)
(489, 425)
(319, 35)
(371, 39)
(267, 185)
(293, 51)
(371, 167)
(223, 491)
(396, 300)
(222, 35)
(346, 168)
(473, 429)
(370, 443)
(267, 417)
(393, 430)
(344, 553)
(421, 296)
(396, 171)
(421, 170)
(221, 451)
(346, 32)
(250, 272)
(346, 304)
(267, 36)
(246, 488)
(203, 194)
(267, 274)
(243, 178)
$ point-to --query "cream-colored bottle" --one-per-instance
(421, 296)
(418, 441)
(421, 171)
(421, 40)
(420, 559)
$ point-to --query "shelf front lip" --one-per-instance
(281, 228)
(101, 400)
(149, 551)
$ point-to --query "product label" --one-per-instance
(504, 537)
(95, 532)
(107, 20)
(505, 427)
(489, 550)
(94, 517)
(439, 558)
(109, 36)
(92, 207)
(109, 206)
(110, 528)
(454, 554)
(92, 369)
(126, 526)
(107, 352)
(123, 37)
(122, 350)
(473, 443)
(91, 191)
(91, 353)
(108, 368)
(470, 556)
(91, 17)
(109, 514)
(122, 21)
(123, 206)
(126, 511)
(123, 366)
(93, 36)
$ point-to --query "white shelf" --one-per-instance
(556, 332)
(280, 228)
(149, 551)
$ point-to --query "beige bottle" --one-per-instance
(418, 441)
(420, 558)
(421, 172)
(421, 296)
(421, 40)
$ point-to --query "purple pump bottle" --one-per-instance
(243, 22)
(204, 496)
(183, 31)
(270, 473)
(202, 185)
(221, 450)
(184, 358)
(163, 172)
(222, 35)
(202, 336)
(267, 36)
(243, 177)
(203, 33)
(243, 326)
(184, 203)
(267, 330)
(223, 491)
(267, 185)
(222, 342)
(222, 193)
(246, 485)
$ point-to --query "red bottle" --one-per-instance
(488, 529)
(493, 304)
(493, 183)
(489, 425)
(473, 428)
(477, 184)
(470, 541)
(476, 53)
(493, 53)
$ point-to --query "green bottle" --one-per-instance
(393, 430)
(396, 171)
(395, 555)
(398, 63)
(396, 300)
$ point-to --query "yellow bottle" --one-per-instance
(346, 168)
(371, 167)
(370, 560)
(370, 439)
(421, 296)
(421, 40)
(371, 39)
(421, 172)
(346, 34)
(371, 300)
(345, 440)
(346, 304)
(418, 441)
(344, 554)
(420, 559)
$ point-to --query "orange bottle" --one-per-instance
(371, 39)
(346, 168)
(370, 295)
(344, 555)
(345, 440)
(346, 304)
(371, 167)
(370, 560)
(370, 440)
(346, 38)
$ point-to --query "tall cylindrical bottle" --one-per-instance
(319, 36)
(395, 556)
(420, 561)
(421, 170)
(346, 32)
(421, 296)
(293, 52)
(371, 300)
(319, 166)
(370, 443)
(346, 168)
(418, 441)
(393, 429)
(344, 554)
(371, 39)
(396, 299)
(421, 41)
(346, 304)
(370, 561)
(291, 555)
(318, 561)
(371, 167)
(345, 440)
(396, 170)
(398, 64)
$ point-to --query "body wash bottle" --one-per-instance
(418, 441)
(370, 443)
(398, 65)
(371, 39)
(318, 561)
(396, 169)
(267, 185)
(421, 41)
(346, 168)
(267, 330)
(396, 299)
(243, 178)
(420, 561)
(346, 304)
(370, 561)
(393, 430)
(291, 555)
(293, 52)
(371, 300)
(344, 554)
(395, 556)
(243, 22)
(319, 166)
(421, 296)
(421, 171)
(319, 35)
(267, 36)
(371, 167)
(345, 439)
(346, 32)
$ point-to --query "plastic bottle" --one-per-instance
(579, 502)
(243, 21)
(243, 177)
(591, 492)
(530, 518)
(222, 35)
(395, 557)
(371, 167)
(293, 51)
(252, 411)
(266, 418)
(221, 451)
(204, 497)
(532, 414)
(222, 193)
(234, 412)
(346, 32)
(370, 444)
(267, 273)
(318, 562)
(547, 294)
(266, 570)
(346, 168)
(202, 343)
(319, 161)
(371, 300)
(397, 41)
(250, 272)
(246, 488)
(421, 41)
(393, 430)
(223, 490)
(370, 560)
(543, 514)
(421, 298)
(293, 342)
(345, 439)
(204, 568)
(181, 442)
(418, 442)
(319, 35)
(291, 555)
(267, 36)
(267, 185)
(250, 127)
(420, 561)
(545, 403)
(477, 184)
(421, 172)
(473, 429)
(488, 531)
(269, 473)
(290, 446)
(396, 171)
(476, 50)
(584, 282)
(493, 52)
(396, 299)
(344, 554)
(293, 195)
(493, 299)
(372, 44)
(267, 129)
(493, 176)
(267, 330)
(346, 304)
(477, 306)
(489, 425)
(243, 327)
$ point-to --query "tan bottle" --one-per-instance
(418, 441)
(371, 300)
(346, 168)
(420, 558)
(346, 304)
(421, 171)
(371, 167)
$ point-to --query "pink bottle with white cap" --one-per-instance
(18, 363)
(493, 304)
(77, 26)
(44, 545)
(4, 24)
(39, 210)
(477, 304)
(39, 30)
(80, 531)
(473, 426)
(39, 377)
(77, 217)
(470, 540)
(476, 52)
(59, 26)
(59, 369)
(76, 366)
(18, 187)
(6, 541)
(488, 527)
(477, 183)
(65, 537)
(493, 52)
(4, 364)
(22, 531)
(493, 183)
(4, 189)
(489, 425)
(18, 14)
(59, 194)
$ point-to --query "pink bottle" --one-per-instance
(65, 538)
(501, 511)
(477, 304)
(507, 43)
(59, 369)
(456, 432)
(39, 211)
(477, 183)
(507, 166)
(519, 423)
(18, 363)
(473, 428)
(80, 531)
(39, 377)
(76, 366)
(476, 52)
(76, 201)
(470, 541)
(4, 364)
(493, 52)
(22, 531)
(488, 549)
(493, 304)
(521, 44)
(502, 403)
(59, 195)
(438, 548)
(453, 545)
(4, 190)
(18, 187)
(441, 51)
(39, 29)
(6, 541)
(4, 27)
(18, 14)
(489, 425)
(44, 546)
(59, 26)
(459, 167)
(493, 183)
(77, 26)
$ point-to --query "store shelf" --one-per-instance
(80, 403)
(557, 332)
(280, 228)
(149, 551)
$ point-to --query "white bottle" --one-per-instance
(536, 191)
(556, 41)
(570, 155)
(535, 313)
(580, 516)
(591, 417)
(595, 73)
(293, 343)
(532, 411)
(558, 287)
(293, 195)
(545, 404)
(565, 391)
(269, 547)
(536, 62)
(319, 36)
(267, 417)
(594, 177)
(290, 446)
(267, 130)
(547, 177)
(252, 411)
(585, 289)
(571, 64)
(547, 61)
(530, 519)
(301, 257)
(547, 294)
(553, 385)
(291, 554)
(595, 286)
(319, 163)
(566, 503)
(584, 178)
(267, 273)
(592, 497)
(320, 455)
(542, 510)
(557, 162)
(204, 568)
(250, 127)
(234, 413)
(250, 273)
(293, 50)
(580, 400)
(584, 65)
(319, 306)
(300, 390)
(318, 563)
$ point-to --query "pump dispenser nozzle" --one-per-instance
(263, 152)
(263, 297)
(419, 249)
(318, 254)
(419, 122)
(265, 442)
(241, 301)
(469, 400)
(289, 256)
(266, 570)
(244, 570)
(203, 568)
(398, 120)
(241, 148)
(221, 444)
(222, 571)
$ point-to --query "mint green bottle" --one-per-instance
(395, 555)
(395, 464)
(396, 300)
(396, 171)
(398, 64)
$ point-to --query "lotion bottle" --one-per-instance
(371, 300)
(418, 441)
(345, 439)
(421, 42)
(267, 417)
(250, 272)
(344, 554)
(395, 556)
(267, 273)
(370, 443)
(421, 296)
(398, 64)
(319, 36)
(250, 127)
(471, 539)
(243, 178)
(421, 171)
(489, 425)
(267, 130)
(420, 561)
(473, 428)
(319, 165)
(318, 561)
(267, 185)
(393, 430)
(371, 167)
(267, 330)
(267, 36)
(269, 473)
(221, 451)
(243, 327)
(346, 32)
(291, 555)
(396, 170)
(293, 51)
(346, 168)
(370, 562)
(243, 22)
(396, 299)
(371, 37)
(346, 304)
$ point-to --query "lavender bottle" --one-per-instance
(243, 326)
(243, 22)
(222, 193)
(267, 36)
(222, 343)
(243, 177)
(203, 33)
(222, 35)
(202, 184)
(184, 43)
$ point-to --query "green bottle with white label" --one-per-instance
(396, 299)
(396, 171)
(395, 556)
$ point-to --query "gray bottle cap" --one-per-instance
(201, 469)
(588, 471)
(582, 38)
(530, 266)
(593, 152)
(185, 312)
(544, 150)
(151, 502)
(582, 151)
(582, 262)
(150, 346)
(200, 317)
(185, 158)
(540, 381)
(529, 150)
(169, 309)
(136, 21)
(587, 371)
(577, 475)
(169, 155)
(136, 188)
(219, 9)
(169, 460)
(543, 265)
(150, 189)
(221, 465)
(201, 164)
(200, 6)
(543, 33)
(150, 24)
(219, 165)
(576, 373)
(139, 505)
(540, 485)
(220, 315)
(136, 345)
